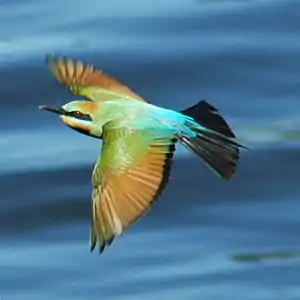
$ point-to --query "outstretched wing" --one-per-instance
(130, 174)
(84, 80)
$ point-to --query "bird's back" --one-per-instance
(135, 115)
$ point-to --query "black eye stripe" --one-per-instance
(79, 115)
(85, 117)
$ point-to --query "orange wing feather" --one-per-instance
(78, 76)
(122, 198)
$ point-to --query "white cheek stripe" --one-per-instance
(83, 122)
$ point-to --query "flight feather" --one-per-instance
(83, 79)
(131, 172)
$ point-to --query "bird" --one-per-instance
(138, 143)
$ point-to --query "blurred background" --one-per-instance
(204, 238)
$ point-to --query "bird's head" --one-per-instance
(79, 115)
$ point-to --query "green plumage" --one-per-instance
(121, 148)
(138, 144)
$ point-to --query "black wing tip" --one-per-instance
(167, 168)
(102, 245)
(101, 248)
(92, 247)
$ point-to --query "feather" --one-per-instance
(82, 79)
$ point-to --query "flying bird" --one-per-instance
(138, 143)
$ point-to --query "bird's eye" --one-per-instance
(80, 115)
(77, 114)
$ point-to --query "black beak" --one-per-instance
(56, 110)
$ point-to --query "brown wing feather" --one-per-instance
(124, 197)
(75, 75)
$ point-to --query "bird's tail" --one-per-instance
(214, 141)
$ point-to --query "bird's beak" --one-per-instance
(56, 110)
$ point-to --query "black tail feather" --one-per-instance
(216, 146)
(221, 158)
(208, 116)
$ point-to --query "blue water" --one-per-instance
(243, 57)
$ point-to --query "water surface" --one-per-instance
(204, 238)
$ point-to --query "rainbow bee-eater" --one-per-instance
(138, 143)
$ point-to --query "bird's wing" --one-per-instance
(131, 172)
(84, 80)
